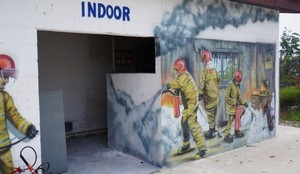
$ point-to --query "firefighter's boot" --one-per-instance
(228, 138)
(239, 134)
(184, 148)
(210, 133)
(200, 154)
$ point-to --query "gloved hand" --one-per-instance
(246, 104)
(164, 88)
(31, 132)
(200, 97)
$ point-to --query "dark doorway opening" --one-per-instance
(73, 67)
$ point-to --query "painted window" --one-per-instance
(226, 62)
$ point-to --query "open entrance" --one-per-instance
(72, 87)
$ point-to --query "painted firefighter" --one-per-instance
(209, 91)
(9, 112)
(186, 86)
(233, 101)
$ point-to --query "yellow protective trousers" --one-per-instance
(229, 124)
(6, 163)
(189, 123)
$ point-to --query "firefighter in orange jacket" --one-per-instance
(232, 99)
(209, 91)
(189, 94)
(9, 112)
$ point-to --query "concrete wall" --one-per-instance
(228, 30)
(258, 119)
(134, 118)
(222, 27)
(165, 19)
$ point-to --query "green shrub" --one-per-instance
(286, 80)
(289, 96)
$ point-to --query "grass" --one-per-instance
(290, 103)
(289, 96)
(291, 115)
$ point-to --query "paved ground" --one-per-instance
(90, 155)
(276, 156)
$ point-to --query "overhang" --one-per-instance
(283, 6)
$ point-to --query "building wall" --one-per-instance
(225, 28)
(258, 119)
(174, 23)
(134, 118)
(238, 38)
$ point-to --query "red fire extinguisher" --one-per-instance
(176, 102)
(238, 114)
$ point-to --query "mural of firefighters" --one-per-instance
(233, 101)
(209, 91)
(186, 86)
(235, 80)
(216, 95)
(8, 112)
(224, 103)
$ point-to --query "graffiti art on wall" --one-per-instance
(191, 17)
(217, 95)
(135, 129)
(187, 88)
(235, 80)
(233, 104)
(8, 112)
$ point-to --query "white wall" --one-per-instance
(20, 21)
(18, 39)
(265, 32)
(67, 16)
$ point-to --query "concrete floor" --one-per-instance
(276, 156)
(281, 154)
(90, 155)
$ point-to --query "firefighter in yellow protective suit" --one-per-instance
(232, 99)
(209, 91)
(9, 112)
(189, 94)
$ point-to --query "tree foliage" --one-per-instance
(289, 56)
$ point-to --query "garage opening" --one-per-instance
(72, 86)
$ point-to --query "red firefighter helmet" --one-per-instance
(238, 76)
(7, 66)
(180, 65)
(206, 56)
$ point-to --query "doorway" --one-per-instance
(73, 67)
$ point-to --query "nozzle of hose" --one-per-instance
(30, 168)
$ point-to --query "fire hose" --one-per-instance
(29, 166)
(11, 144)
